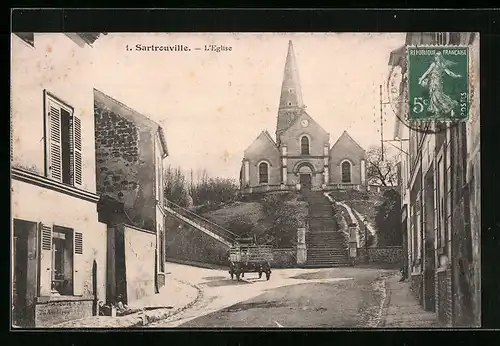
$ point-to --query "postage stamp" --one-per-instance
(438, 83)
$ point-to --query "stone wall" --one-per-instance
(416, 283)
(125, 164)
(284, 258)
(54, 312)
(381, 255)
(117, 145)
(443, 296)
(185, 242)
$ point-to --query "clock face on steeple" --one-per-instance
(304, 122)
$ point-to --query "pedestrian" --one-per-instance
(404, 270)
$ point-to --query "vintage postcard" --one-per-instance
(235, 180)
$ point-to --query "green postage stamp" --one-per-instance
(438, 83)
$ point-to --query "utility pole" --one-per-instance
(381, 124)
(367, 258)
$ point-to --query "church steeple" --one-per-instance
(291, 104)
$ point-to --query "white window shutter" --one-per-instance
(78, 263)
(77, 151)
(53, 140)
(45, 259)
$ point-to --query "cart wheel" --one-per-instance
(260, 275)
(268, 275)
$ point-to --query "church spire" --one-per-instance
(291, 104)
(291, 93)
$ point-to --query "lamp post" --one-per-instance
(366, 241)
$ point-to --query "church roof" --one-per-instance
(291, 81)
(268, 135)
(345, 136)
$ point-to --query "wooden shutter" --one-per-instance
(78, 263)
(45, 259)
(77, 150)
(53, 140)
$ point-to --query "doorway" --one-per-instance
(24, 276)
(95, 311)
(429, 252)
(306, 181)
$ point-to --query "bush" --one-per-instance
(281, 220)
(242, 225)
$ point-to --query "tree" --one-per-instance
(207, 190)
(388, 219)
(281, 221)
(382, 172)
(175, 187)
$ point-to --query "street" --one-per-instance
(292, 298)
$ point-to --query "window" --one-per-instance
(158, 179)
(290, 91)
(346, 172)
(62, 261)
(11, 141)
(418, 226)
(442, 38)
(441, 235)
(454, 38)
(263, 173)
(447, 188)
(27, 37)
(162, 249)
(413, 233)
(304, 145)
(63, 141)
(289, 103)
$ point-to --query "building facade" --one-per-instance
(301, 154)
(130, 149)
(58, 244)
(441, 199)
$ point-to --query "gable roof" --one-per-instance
(297, 119)
(268, 136)
(346, 136)
(132, 116)
(264, 134)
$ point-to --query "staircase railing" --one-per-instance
(209, 225)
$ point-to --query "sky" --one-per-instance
(213, 105)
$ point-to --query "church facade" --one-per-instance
(301, 155)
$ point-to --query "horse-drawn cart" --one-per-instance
(247, 257)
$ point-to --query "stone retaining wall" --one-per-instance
(184, 242)
(381, 254)
(284, 258)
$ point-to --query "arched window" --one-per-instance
(304, 145)
(346, 172)
(263, 173)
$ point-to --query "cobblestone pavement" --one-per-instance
(402, 309)
(175, 297)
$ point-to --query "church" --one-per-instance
(300, 157)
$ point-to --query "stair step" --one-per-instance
(327, 265)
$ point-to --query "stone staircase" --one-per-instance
(326, 247)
